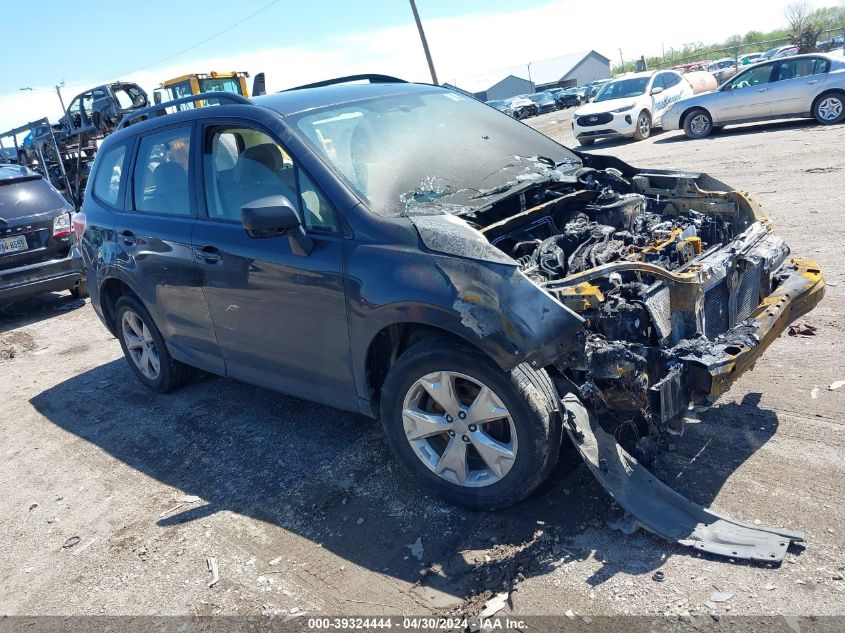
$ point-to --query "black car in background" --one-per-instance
(592, 88)
(37, 249)
(545, 102)
(567, 97)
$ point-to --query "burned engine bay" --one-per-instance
(666, 269)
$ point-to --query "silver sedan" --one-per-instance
(794, 87)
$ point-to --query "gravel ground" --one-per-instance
(114, 499)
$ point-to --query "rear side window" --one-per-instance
(160, 178)
(108, 183)
(802, 67)
(22, 199)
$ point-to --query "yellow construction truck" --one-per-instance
(199, 83)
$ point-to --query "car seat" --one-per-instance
(171, 189)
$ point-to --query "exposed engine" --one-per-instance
(657, 266)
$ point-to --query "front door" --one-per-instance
(746, 95)
(280, 317)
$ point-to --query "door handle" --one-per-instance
(813, 81)
(762, 89)
(209, 254)
(128, 237)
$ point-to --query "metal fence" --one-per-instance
(709, 54)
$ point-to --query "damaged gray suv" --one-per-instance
(408, 252)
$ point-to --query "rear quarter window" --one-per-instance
(110, 179)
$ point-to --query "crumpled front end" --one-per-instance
(679, 279)
(681, 285)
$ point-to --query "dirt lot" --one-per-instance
(304, 510)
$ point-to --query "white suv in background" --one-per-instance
(629, 106)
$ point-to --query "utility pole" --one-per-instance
(622, 61)
(59, 92)
(529, 76)
(424, 43)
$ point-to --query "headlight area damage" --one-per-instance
(681, 287)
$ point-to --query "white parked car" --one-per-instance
(793, 87)
(629, 106)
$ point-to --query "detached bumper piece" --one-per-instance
(661, 510)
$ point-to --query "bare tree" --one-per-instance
(806, 24)
(798, 15)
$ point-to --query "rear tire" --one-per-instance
(145, 349)
(521, 408)
(698, 124)
(586, 142)
(643, 130)
(829, 108)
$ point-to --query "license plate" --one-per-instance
(12, 244)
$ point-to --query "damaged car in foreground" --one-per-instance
(407, 252)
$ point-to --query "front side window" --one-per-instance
(241, 165)
(160, 178)
(752, 77)
(107, 182)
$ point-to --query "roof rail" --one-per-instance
(373, 79)
(160, 109)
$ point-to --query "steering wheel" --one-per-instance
(742, 84)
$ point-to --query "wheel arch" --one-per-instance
(821, 95)
(111, 289)
(390, 342)
(692, 109)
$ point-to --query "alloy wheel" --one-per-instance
(460, 429)
(700, 124)
(140, 345)
(830, 109)
(644, 125)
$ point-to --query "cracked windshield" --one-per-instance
(432, 153)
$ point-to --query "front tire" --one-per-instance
(586, 142)
(145, 349)
(467, 431)
(829, 108)
(698, 124)
(643, 130)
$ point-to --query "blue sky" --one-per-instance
(474, 42)
(117, 38)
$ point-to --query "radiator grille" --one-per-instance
(717, 302)
(587, 120)
(748, 296)
(716, 314)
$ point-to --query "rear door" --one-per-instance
(746, 96)
(154, 244)
(280, 317)
(796, 82)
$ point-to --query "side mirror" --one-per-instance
(273, 216)
(657, 90)
(728, 87)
